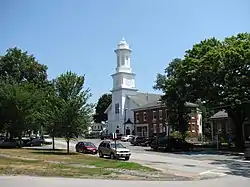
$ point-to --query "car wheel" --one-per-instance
(100, 154)
(127, 158)
(112, 156)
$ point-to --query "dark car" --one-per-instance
(137, 140)
(33, 142)
(7, 143)
(147, 141)
(171, 144)
(86, 147)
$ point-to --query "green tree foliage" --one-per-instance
(104, 101)
(23, 81)
(18, 66)
(19, 103)
(174, 97)
(29, 101)
(74, 108)
(216, 73)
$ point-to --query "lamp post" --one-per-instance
(125, 118)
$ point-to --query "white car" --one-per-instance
(126, 138)
(47, 139)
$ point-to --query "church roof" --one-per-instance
(142, 99)
(148, 100)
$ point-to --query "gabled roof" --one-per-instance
(158, 103)
(220, 115)
(142, 99)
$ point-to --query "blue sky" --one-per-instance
(80, 35)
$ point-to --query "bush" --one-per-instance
(176, 134)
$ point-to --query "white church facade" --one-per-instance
(125, 95)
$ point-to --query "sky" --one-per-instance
(81, 35)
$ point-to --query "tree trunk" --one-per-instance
(67, 146)
(53, 142)
(238, 121)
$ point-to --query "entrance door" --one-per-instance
(128, 131)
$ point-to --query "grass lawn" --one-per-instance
(58, 163)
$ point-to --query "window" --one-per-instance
(155, 128)
(118, 60)
(160, 128)
(137, 117)
(144, 116)
(160, 114)
(154, 114)
(193, 127)
(117, 108)
(163, 128)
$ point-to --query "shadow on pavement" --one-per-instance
(199, 152)
(235, 167)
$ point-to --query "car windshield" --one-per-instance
(118, 145)
(89, 144)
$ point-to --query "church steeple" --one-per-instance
(123, 53)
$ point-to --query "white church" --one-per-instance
(125, 95)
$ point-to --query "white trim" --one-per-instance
(109, 107)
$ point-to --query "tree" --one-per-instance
(103, 102)
(174, 98)
(74, 109)
(217, 73)
(18, 107)
(18, 66)
(22, 78)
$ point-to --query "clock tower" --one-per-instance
(123, 85)
(124, 78)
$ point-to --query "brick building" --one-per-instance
(151, 119)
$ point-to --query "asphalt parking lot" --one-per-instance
(190, 164)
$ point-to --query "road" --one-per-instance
(189, 165)
(226, 170)
(24, 181)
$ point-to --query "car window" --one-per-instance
(89, 144)
(103, 144)
(108, 146)
(118, 145)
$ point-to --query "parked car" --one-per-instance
(105, 136)
(126, 138)
(86, 147)
(32, 142)
(137, 140)
(47, 140)
(171, 144)
(7, 143)
(147, 141)
(113, 150)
